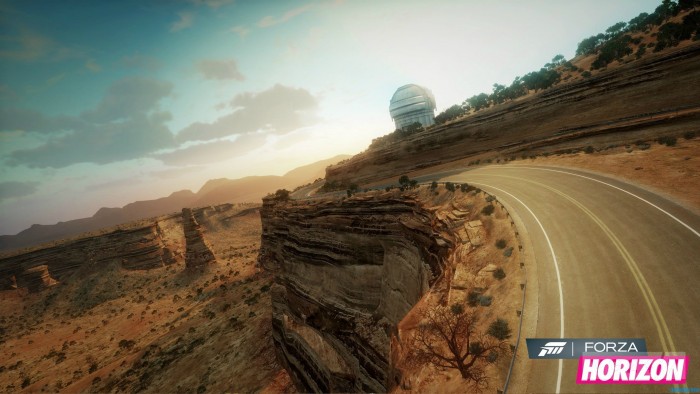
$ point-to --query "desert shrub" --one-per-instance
(433, 185)
(456, 309)
(586, 74)
(26, 382)
(282, 195)
(589, 149)
(450, 186)
(264, 288)
(485, 300)
(689, 135)
(492, 357)
(126, 344)
(501, 243)
(499, 274)
(508, 252)
(499, 329)
(668, 141)
(93, 367)
(490, 198)
(487, 210)
(473, 298)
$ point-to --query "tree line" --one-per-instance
(612, 45)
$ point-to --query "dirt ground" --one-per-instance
(673, 171)
(472, 264)
(161, 330)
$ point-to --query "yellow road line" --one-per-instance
(652, 304)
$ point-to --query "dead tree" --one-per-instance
(447, 338)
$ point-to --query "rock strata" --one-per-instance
(134, 249)
(36, 278)
(198, 252)
(346, 272)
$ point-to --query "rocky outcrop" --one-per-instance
(198, 252)
(36, 278)
(656, 95)
(346, 272)
(137, 248)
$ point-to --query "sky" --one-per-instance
(103, 103)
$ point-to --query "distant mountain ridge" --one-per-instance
(215, 191)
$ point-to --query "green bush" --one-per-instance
(501, 243)
(450, 186)
(485, 300)
(499, 329)
(499, 274)
(473, 298)
(508, 252)
(668, 141)
(457, 309)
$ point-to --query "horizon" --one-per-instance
(95, 115)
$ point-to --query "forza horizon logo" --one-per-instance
(563, 348)
(552, 348)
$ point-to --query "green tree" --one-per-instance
(449, 114)
(615, 29)
(404, 180)
(282, 195)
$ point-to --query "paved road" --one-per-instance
(628, 265)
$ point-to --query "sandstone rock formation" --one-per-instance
(36, 278)
(198, 252)
(615, 106)
(346, 272)
(136, 248)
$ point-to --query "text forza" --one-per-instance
(632, 370)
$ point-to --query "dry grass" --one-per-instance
(208, 330)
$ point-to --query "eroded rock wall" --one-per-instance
(135, 249)
(346, 272)
(198, 253)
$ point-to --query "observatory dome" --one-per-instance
(412, 103)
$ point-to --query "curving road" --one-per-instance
(609, 260)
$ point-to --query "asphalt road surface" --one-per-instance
(611, 260)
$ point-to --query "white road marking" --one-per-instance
(556, 268)
(621, 189)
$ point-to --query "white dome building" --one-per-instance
(412, 103)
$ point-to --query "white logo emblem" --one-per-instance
(552, 348)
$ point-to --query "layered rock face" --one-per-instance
(346, 272)
(198, 253)
(642, 100)
(135, 249)
(36, 279)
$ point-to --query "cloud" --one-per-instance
(133, 138)
(141, 61)
(279, 109)
(24, 46)
(242, 31)
(129, 96)
(220, 69)
(270, 20)
(17, 189)
(126, 124)
(214, 4)
(92, 66)
(186, 20)
(13, 119)
(215, 151)
(19, 43)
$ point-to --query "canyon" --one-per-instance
(348, 271)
